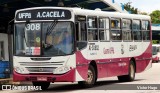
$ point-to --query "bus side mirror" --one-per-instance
(10, 27)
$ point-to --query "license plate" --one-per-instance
(41, 78)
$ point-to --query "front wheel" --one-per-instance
(91, 79)
(130, 76)
(44, 85)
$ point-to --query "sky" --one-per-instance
(143, 5)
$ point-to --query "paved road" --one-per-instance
(111, 85)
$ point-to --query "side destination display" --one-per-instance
(43, 14)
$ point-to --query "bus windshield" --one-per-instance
(155, 34)
(44, 38)
(154, 50)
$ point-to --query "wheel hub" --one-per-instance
(132, 71)
(90, 76)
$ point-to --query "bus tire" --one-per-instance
(44, 85)
(91, 79)
(130, 76)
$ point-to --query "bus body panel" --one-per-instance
(81, 66)
(116, 60)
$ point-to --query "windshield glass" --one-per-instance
(155, 34)
(46, 39)
(154, 50)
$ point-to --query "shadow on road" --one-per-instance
(71, 87)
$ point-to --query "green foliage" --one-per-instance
(143, 13)
(155, 16)
(155, 42)
(131, 9)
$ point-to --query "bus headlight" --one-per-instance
(20, 70)
(61, 70)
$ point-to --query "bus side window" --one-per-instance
(116, 29)
(92, 28)
(104, 29)
(136, 27)
(126, 29)
(146, 30)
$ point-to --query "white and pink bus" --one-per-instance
(59, 44)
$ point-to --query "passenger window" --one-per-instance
(103, 28)
(137, 33)
(116, 29)
(92, 28)
(146, 30)
(126, 29)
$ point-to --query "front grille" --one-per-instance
(41, 69)
(40, 59)
(41, 63)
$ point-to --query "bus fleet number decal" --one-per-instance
(33, 27)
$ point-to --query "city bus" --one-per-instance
(155, 52)
(60, 44)
(155, 42)
(156, 32)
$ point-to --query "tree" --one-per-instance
(155, 41)
(143, 13)
(155, 16)
(130, 9)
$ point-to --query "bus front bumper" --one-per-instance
(155, 59)
(67, 77)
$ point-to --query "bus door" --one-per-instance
(81, 45)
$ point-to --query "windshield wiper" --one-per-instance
(27, 22)
(49, 31)
(51, 27)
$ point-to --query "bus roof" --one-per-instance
(157, 28)
(79, 11)
(110, 14)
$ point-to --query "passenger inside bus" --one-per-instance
(66, 43)
(115, 29)
(61, 41)
(67, 38)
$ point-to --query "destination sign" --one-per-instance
(43, 14)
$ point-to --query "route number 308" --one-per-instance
(32, 27)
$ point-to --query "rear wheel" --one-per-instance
(91, 79)
(44, 85)
(130, 76)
